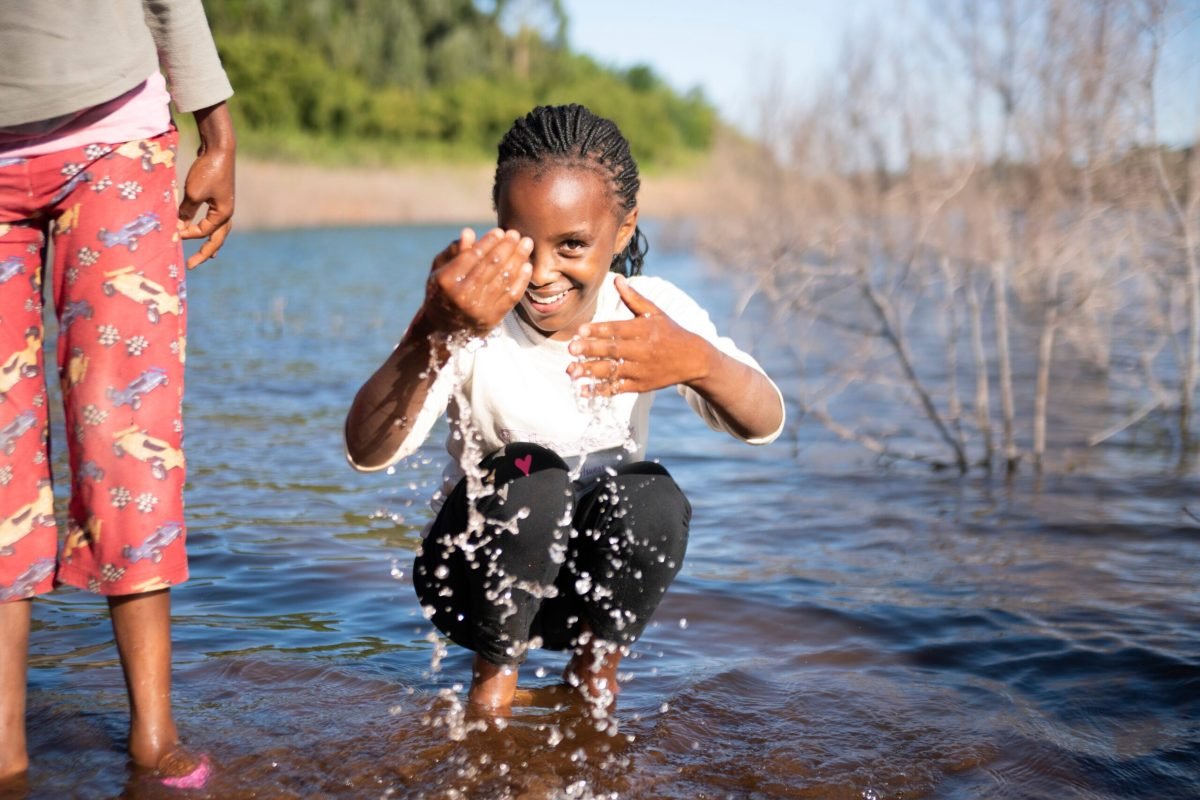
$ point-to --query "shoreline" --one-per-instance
(274, 195)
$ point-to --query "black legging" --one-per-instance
(528, 574)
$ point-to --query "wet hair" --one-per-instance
(572, 135)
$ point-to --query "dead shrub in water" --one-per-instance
(983, 194)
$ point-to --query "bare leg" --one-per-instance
(492, 686)
(14, 654)
(142, 627)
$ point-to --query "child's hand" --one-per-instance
(473, 284)
(642, 354)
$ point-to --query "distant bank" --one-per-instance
(279, 195)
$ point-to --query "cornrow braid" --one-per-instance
(573, 135)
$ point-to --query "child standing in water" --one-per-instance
(88, 180)
(544, 344)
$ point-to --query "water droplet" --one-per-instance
(683, 623)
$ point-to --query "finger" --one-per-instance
(199, 230)
(219, 212)
(471, 254)
(620, 330)
(600, 369)
(187, 211)
(634, 301)
(510, 269)
(209, 249)
(495, 259)
(457, 265)
(518, 271)
(520, 282)
(595, 347)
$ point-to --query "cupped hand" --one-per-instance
(473, 283)
(210, 180)
(649, 352)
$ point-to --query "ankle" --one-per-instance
(592, 670)
(493, 686)
(14, 758)
(149, 744)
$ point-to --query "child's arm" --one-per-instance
(651, 351)
(471, 286)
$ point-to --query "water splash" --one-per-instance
(607, 432)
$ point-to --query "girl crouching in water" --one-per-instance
(544, 344)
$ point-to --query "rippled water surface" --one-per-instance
(839, 630)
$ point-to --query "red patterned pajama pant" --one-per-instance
(108, 214)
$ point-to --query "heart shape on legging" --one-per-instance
(524, 464)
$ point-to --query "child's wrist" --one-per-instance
(708, 362)
(433, 330)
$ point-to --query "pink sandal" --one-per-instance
(196, 779)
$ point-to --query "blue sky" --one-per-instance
(724, 47)
(730, 47)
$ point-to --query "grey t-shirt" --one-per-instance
(66, 56)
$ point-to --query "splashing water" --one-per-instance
(605, 426)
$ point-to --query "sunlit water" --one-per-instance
(839, 630)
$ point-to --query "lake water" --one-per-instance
(839, 630)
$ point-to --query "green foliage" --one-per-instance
(427, 76)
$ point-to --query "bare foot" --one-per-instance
(179, 768)
(152, 744)
(560, 695)
(492, 686)
(593, 670)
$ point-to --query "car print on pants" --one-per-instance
(130, 233)
(21, 364)
(38, 514)
(161, 457)
(131, 395)
(28, 580)
(154, 297)
(10, 268)
(21, 424)
(78, 309)
(154, 545)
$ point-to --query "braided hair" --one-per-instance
(574, 136)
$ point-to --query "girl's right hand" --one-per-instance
(473, 284)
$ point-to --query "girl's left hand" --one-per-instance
(642, 354)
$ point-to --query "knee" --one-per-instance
(657, 495)
(658, 518)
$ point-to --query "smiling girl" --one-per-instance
(544, 344)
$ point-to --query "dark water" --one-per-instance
(838, 631)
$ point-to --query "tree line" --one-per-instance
(430, 76)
